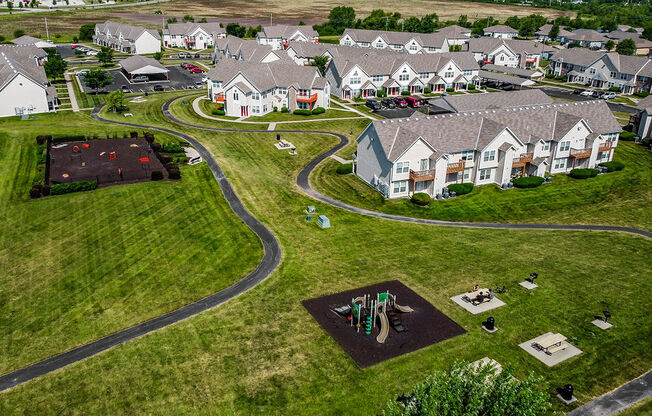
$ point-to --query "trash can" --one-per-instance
(567, 392)
(489, 323)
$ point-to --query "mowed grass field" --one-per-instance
(80, 266)
(262, 353)
(253, 13)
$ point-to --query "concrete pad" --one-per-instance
(491, 331)
(573, 399)
(483, 307)
(601, 324)
(487, 361)
(528, 285)
(555, 358)
(283, 145)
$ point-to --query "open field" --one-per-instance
(262, 353)
(80, 266)
(254, 13)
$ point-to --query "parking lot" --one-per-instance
(179, 79)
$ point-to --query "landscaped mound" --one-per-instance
(421, 198)
(583, 173)
(613, 166)
(527, 181)
(461, 188)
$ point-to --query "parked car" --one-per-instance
(373, 104)
(597, 93)
(158, 87)
(186, 65)
(586, 93)
(388, 102)
(197, 70)
(140, 78)
(413, 102)
(608, 95)
(191, 66)
(75, 46)
(199, 84)
(125, 89)
(197, 56)
(578, 91)
(400, 102)
(91, 53)
(204, 78)
(81, 72)
(182, 56)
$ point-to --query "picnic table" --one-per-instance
(472, 295)
(552, 343)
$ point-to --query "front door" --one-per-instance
(244, 111)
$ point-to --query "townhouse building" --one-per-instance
(643, 46)
(24, 87)
(304, 53)
(127, 38)
(642, 120)
(366, 75)
(544, 31)
(191, 35)
(255, 89)
(586, 38)
(512, 53)
(501, 31)
(248, 50)
(456, 35)
(278, 36)
(603, 70)
(412, 43)
(481, 102)
(427, 153)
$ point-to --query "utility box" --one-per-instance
(310, 209)
(324, 222)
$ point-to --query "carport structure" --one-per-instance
(505, 79)
(142, 65)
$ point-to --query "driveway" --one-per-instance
(179, 79)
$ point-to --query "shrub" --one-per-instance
(405, 93)
(345, 168)
(156, 146)
(421, 199)
(470, 87)
(319, 110)
(66, 188)
(528, 181)
(284, 109)
(381, 94)
(60, 138)
(275, 108)
(461, 188)
(40, 140)
(583, 173)
(172, 148)
(174, 173)
(627, 136)
(613, 166)
(427, 90)
(302, 112)
(641, 94)
(216, 112)
(614, 89)
(550, 75)
(450, 89)
(561, 78)
(35, 192)
(157, 175)
(45, 190)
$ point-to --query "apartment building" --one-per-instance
(278, 36)
(501, 31)
(456, 35)
(412, 43)
(544, 31)
(366, 75)
(255, 89)
(191, 35)
(427, 153)
(642, 120)
(512, 53)
(24, 87)
(586, 38)
(603, 70)
(248, 50)
(127, 38)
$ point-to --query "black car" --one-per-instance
(158, 88)
(388, 102)
(578, 91)
(373, 104)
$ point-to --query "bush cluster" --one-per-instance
(302, 112)
(40, 140)
(641, 94)
(319, 110)
(172, 148)
(157, 175)
(470, 87)
(527, 181)
(381, 94)
(583, 173)
(60, 138)
(284, 109)
(174, 173)
(405, 93)
(627, 136)
(613, 165)
(614, 89)
(450, 89)
(461, 188)
(421, 199)
(427, 90)
(216, 112)
(345, 168)
(66, 188)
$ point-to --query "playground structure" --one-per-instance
(364, 312)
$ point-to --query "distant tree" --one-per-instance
(514, 22)
(10, 6)
(115, 101)
(2, 38)
(20, 4)
(463, 21)
(253, 31)
(158, 56)
(381, 20)
(97, 78)
(411, 24)
(55, 66)
(320, 62)
(188, 18)
(302, 23)
(429, 23)
(105, 55)
(18, 33)
(158, 11)
(234, 29)
(626, 47)
(87, 31)
(631, 30)
(527, 29)
(554, 32)
(172, 20)
(574, 44)
(609, 45)
(341, 17)
(203, 20)
(608, 25)
(477, 31)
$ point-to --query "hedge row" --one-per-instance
(627, 136)
(461, 188)
(527, 181)
(216, 112)
(66, 188)
(583, 173)
(613, 166)
(345, 168)
(421, 198)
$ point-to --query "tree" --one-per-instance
(341, 17)
(320, 62)
(115, 101)
(514, 22)
(626, 47)
(158, 56)
(105, 55)
(86, 32)
(234, 29)
(172, 20)
(55, 66)
(18, 33)
(10, 6)
(609, 45)
(203, 20)
(554, 32)
(527, 29)
(429, 23)
(465, 390)
(411, 24)
(2, 38)
(97, 78)
(188, 18)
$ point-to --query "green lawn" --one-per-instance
(262, 353)
(81, 266)
(642, 408)
(278, 116)
(617, 198)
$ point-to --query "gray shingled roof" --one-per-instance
(130, 32)
(509, 79)
(525, 73)
(189, 27)
(501, 29)
(577, 56)
(285, 31)
(269, 75)
(523, 47)
(645, 102)
(454, 32)
(16, 59)
(424, 39)
(494, 100)
(137, 62)
(545, 29)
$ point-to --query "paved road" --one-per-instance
(272, 256)
(568, 94)
(619, 399)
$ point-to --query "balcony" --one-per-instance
(580, 153)
(488, 61)
(522, 160)
(220, 97)
(605, 147)
(306, 98)
(455, 167)
(422, 175)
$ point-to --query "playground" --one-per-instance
(376, 323)
(107, 161)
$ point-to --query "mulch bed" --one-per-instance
(425, 326)
(107, 161)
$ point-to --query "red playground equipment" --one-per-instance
(113, 155)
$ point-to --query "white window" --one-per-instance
(502, 57)
(489, 155)
(355, 80)
(379, 45)
(603, 155)
(264, 108)
(468, 72)
(564, 146)
(347, 43)
(467, 155)
(423, 75)
(546, 146)
(467, 173)
(432, 48)
(449, 74)
(560, 163)
(255, 109)
(413, 47)
(400, 187)
(255, 96)
(403, 77)
(235, 95)
(612, 74)
(377, 78)
(420, 186)
(592, 71)
(485, 174)
(402, 167)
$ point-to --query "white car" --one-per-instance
(586, 93)
(204, 79)
(83, 71)
(608, 95)
(91, 53)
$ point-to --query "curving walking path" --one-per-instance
(271, 258)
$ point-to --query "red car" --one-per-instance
(400, 102)
(196, 70)
(190, 66)
(75, 46)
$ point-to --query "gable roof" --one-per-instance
(264, 76)
(401, 38)
(16, 59)
(489, 101)
(139, 64)
(188, 28)
(285, 31)
(454, 32)
(129, 32)
(500, 29)
(545, 30)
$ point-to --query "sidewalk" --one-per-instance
(619, 399)
(71, 92)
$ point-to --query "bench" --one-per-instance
(552, 343)
(472, 296)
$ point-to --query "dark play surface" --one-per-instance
(425, 326)
(105, 160)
